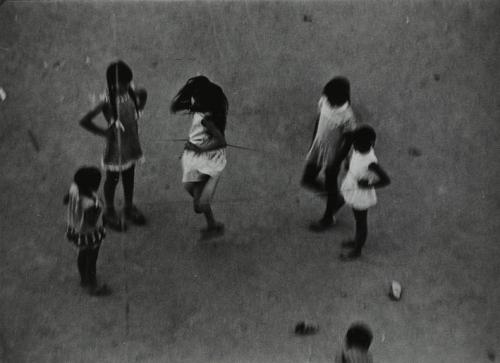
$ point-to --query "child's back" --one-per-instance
(354, 355)
(332, 123)
(357, 344)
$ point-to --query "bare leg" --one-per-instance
(309, 178)
(195, 189)
(205, 200)
(357, 244)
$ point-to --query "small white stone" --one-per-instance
(3, 95)
(396, 290)
(87, 60)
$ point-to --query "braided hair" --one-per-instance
(120, 73)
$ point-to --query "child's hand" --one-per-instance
(190, 146)
(364, 184)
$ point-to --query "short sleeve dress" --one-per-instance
(130, 147)
(197, 164)
(333, 122)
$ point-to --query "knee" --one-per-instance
(201, 207)
(197, 208)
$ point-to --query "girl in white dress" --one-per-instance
(204, 156)
(358, 187)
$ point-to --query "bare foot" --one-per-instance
(349, 244)
(353, 254)
(102, 290)
(322, 225)
(213, 231)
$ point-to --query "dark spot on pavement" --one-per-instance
(437, 77)
(307, 18)
(414, 151)
(491, 355)
(34, 141)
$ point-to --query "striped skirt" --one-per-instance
(83, 241)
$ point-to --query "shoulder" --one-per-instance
(321, 101)
(104, 102)
(207, 120)
(349, 114)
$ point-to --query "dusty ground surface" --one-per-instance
(424, 73)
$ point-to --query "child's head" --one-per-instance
(121, 70)
(209, 98)
(183, 100)
(359, 335)
(337, 91)
(199, 94)
(88, 179)
(364, 138)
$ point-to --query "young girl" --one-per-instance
(357, 345)
(121, 107)
(358, 187)
(204, 155)
(85, 227)
(329, 147)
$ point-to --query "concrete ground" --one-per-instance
(424, 73)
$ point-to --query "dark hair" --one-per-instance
(88, 179)
(119, 73)
(193, 86)
(208, 98)
(338, 91)
(364, 138)
(359, 335)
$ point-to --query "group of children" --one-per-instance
(203, 160)
(338, 140)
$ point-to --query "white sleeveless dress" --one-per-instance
(353, 195)
(196, 165)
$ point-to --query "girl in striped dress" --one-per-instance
(204, 156)
(85, 229)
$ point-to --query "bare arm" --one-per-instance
(316, 123)
(87, 122)
(382, 181)
(217, 140)
(142, 97)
